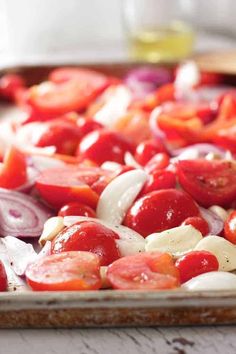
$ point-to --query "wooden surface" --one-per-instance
(193, 340)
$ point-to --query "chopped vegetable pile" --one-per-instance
(124, 183)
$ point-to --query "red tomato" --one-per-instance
(87, 76)
(103, 145)
(71, 95)
(87, 125)
(66, 271)
(230, 228)
(160, 210)
(10, 84)
(134, 126)
(165, 93)
(13, 173)
(158, 162)
(88, 236)
(59, 186)
(147, 149)
(199, 223)
(195, 263)
(208, 182)
(145, 271)
(159, 179)
(122, 169)
(3, 277)
(61, 133)
(75, 208)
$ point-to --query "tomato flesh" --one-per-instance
(66, 271)
(147, 149)
(160, 210)
(13, 173)
(88, 236)
(199, 223)
(145, 271)
(195, 263)
(159, 179)
(230, 228)
(208, 182)
(3, 277)
(75, 208)
(10, 84)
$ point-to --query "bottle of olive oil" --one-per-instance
(168, 43)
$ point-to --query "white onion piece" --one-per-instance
(110, 166)
(215, 223)
(45, 251)
(129, 242)
(119, 195)
(176, 241)
(130, 160)
(20, 254)
(187, 76)
(224, 251)
(218, 210)
(212, 281)
(197, 151)
(153, 123)
(42, 163)
(115, 107)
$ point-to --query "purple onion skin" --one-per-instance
(216, 224)
(21, 215)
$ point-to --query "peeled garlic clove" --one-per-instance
(51, 228)
(119, 195)
(212, 281)
(176, 241)
(224, 251)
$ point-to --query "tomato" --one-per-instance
(147, 149)
(3, 277)
(87, 76)
(10, 84)
(61, 133)
(104, 145)
(159, 179)
(134, 126)
(199, 223)
(230, 228)
(70, 95)
(59, 186)
(13, 173)
(88, 236)
(157, 162)
(160, 210)
(145, 271)
(122, 169)
(75, 208)
(87, 125)
(66, 271)
(208, 182)
(195, 263)
(165, 93)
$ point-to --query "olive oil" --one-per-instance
(167, 44)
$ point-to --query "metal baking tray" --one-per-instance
(106, 308)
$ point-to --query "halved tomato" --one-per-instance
(13, 172)
(145, 271)
(59, 186)
(208, 182)
(68, 95)
(65, 271)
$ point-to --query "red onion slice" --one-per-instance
(21, 215)
(200, 149)
(215, 223)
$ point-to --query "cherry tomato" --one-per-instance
(103, 145)
(10, 84)
(159, 211)
(87, 125)
(59, 186)
(61, 133)
(134, 126)
(13, 173)
(145, 271)
(3, 277)
(88, 236)
(230, 228)
(199, 223)
(70, 95)
(66, 271)
(75, 208)
(208, 182)
(195, 263)
(157, 162)
(159, 179)
(147, 149)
